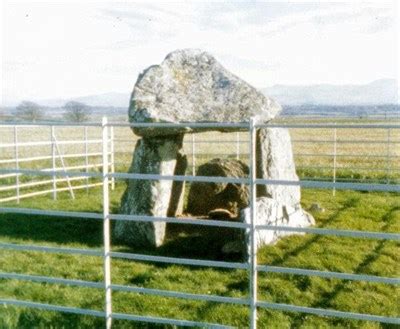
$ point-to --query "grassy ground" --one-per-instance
(363, 161)
(348, 210)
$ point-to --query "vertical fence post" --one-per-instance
(53, 161)
(86, 157)
(112, 156)
(106, 226)
(253, 241)
(193, 155)
(388, 157)
(64, 167)
(237, 145)
(16, 155)
(334, 159)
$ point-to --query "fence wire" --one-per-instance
(108, 176)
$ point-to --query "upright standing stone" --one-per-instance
(275, 161)
(272, 213)
(149, 197)
(178, 187)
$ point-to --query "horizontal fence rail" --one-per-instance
(53, 154)
(108, 176)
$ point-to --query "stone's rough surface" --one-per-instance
(204, 197)
(220, 213)
(233, 247)
(275, 161)
(191, 86)
(315, 207)
(149, 197)
(178, 188)
(275, 213)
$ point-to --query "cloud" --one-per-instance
(71, 49)
(364, 19)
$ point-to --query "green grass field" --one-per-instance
(369, 211)
(348, 210)
(373, 160)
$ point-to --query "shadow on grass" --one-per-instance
(29, 318)
(327, 298)
(350, 203)
(191, 241)
(183, 240)
(52, 229)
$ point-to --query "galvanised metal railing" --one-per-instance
(334, 162)
(253, 268)
(52, 155)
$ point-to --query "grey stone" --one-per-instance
(233, 247)
(315, 207)
(149, 197)
(275, 161)
(274, 213)
(204, 197)
(178, 188)
(191, 86)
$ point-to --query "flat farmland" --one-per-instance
(361, 154)
(313, 148)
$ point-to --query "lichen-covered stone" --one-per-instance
(273, 213)
(204, 197)
(191, 86)
(149, 197)
(275, 161)
(178, 187)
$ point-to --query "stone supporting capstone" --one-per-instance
(178, 187)
(275, 161)
(271, 212)
(152, 197)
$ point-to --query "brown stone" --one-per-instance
(204, 197)
(220, 214)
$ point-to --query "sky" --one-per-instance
(63, 49)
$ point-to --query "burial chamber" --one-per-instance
(190, 86)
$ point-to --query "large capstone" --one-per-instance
(151, 197)
(191, 86)
(204, 197)
(275, 162)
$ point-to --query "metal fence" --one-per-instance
(251, 266)
(335, 158)
(48, 156)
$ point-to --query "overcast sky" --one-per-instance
(76, 48)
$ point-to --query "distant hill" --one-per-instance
(379, 92)
(112, 99)
(376, 93)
